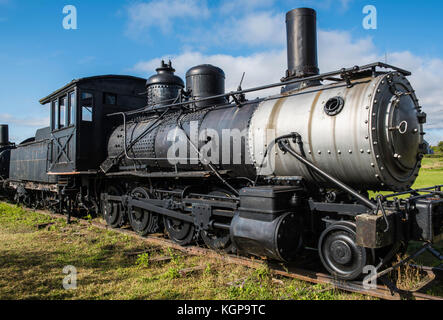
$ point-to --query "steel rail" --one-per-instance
(381, 292)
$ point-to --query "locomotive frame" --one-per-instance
(67, 167)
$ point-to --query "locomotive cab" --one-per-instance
(78, 120)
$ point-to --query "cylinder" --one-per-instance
(4, 134)
(279, 239)
(301, 33)
(206, 81)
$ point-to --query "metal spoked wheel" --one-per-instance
(112, 211)
(179, 231)
(142, 221)
(219, 239)
(339, 253)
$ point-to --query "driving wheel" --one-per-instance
(218, 239)
(142, 221)
(113, 211)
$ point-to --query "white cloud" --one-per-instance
(24, 121)
(341, 5)
(345, 3)
(245, 29)
(235, 6)
(260, 68)
(246, 23)
(254, 29)
(427, 76)
(161, 14)
(21, 128)
(337, 49)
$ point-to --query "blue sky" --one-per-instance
(37, 55)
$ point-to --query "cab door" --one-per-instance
(62, 147)
(87, 121)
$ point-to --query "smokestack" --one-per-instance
(301, 30)
(4, 134)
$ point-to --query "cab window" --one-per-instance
(87, 106)
(72, 107)
(109, 98)
(55, 115)
(62, 112)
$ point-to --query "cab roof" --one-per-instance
(78, 81)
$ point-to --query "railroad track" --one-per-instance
(382, 291)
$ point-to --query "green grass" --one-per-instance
(428, 178)
(431, 174)
(35, 248)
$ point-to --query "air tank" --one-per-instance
(4, 134)
(163, 87)
(205, 81)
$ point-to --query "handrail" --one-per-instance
(344, 73)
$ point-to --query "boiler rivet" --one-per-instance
(339, 152)
(350, 151)
(372, 165)
(362, 151)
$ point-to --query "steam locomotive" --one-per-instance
(266, 177)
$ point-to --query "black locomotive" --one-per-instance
(266, 177)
